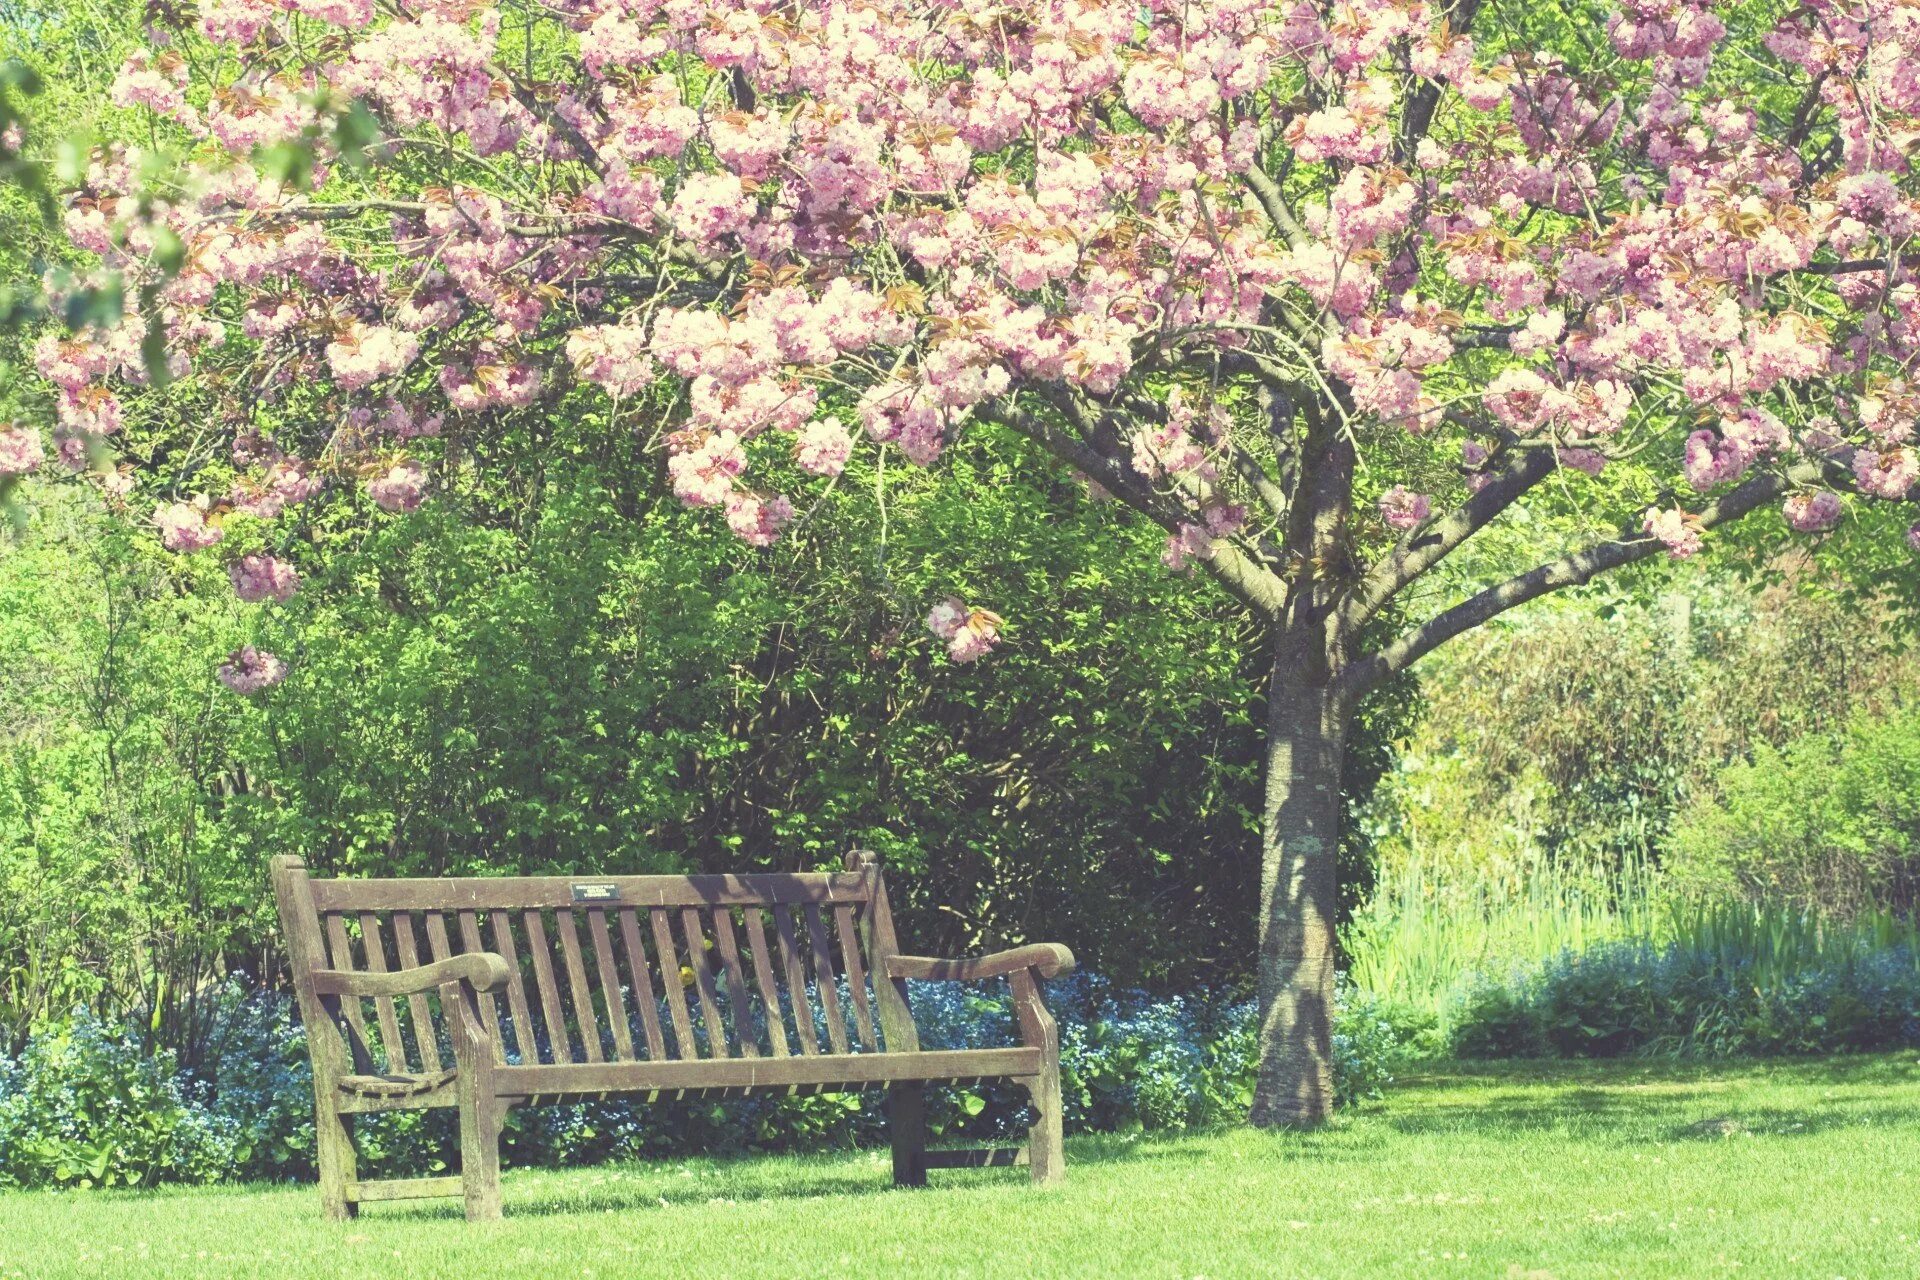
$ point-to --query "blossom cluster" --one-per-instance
(892, 221)
(969, 633)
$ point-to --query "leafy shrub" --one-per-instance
(89, 1106)
(1372, 1037)
(1496, 1020)
(1630, 997)
(1827, 822)
(256, 1078)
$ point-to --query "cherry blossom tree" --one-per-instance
(1323, 289)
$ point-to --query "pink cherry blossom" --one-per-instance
(158, 83)
(399, 489)
(823, 447)
(185, 527)
(20, 450)
(263, 577)
(1812, 512)
(614, 356)
(1404, 510)
(250, 670)
(364, 354)
(947, 618)
(703, 468)
(969, 633)
(709, 206)
(1678, 530)
(757, 519)
(1888, 474)
(284, 483)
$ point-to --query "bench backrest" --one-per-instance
(611, 968)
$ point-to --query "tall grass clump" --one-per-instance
(1550, 959)
(1431, 933)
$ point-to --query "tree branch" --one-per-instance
(1245, 579)
(1267, 192)
(1421, 549)
(1417, 118)
(1569, 570)
(1852, 267)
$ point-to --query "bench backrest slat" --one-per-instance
(827, 984)
(406, 946)
(500, 924)
(767, 979)
(470, 942)
(699, 962)
(583, 1016)
(796, 980)
(745, 1037)
(390, 1040)
(541, 953)
(340, 956)
(659, 971)
(667, 957)
(617, 1021)
(856, 976)
(642, 975)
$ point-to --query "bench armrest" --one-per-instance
(481, 970)
(1048, 959)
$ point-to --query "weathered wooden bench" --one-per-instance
(484, 994)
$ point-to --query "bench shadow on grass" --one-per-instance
(642, 1186)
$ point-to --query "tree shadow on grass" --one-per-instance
(1664, 1102)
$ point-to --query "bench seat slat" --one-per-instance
(526, 893)
(753, 1074)
(395, 1086)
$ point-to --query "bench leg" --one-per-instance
(907, 1123)
(1046, 1151)
(480, 1116)
(333, 1152)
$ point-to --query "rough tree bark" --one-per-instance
(1306, 744)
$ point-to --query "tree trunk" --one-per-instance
(1298, 889)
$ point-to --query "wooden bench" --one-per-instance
(485, 994)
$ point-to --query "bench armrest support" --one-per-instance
(1048, 959)
(481, 970)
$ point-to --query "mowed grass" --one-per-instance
(1802, 1169)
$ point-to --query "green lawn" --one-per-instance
(1802, 1169)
